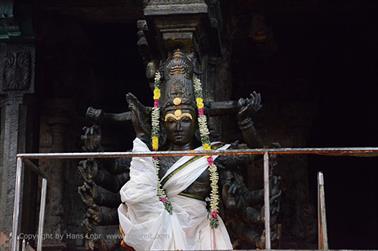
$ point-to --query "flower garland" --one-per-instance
(206, 144)
(155, 117)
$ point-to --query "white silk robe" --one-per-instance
(146, 223)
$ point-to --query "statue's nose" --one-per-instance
(178, 126)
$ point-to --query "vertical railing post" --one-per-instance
(18, 243)
(42, 214)
(16, 207)
(23, 247)
(322, 221)
(266, 201)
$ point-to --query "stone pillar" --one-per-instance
(196, 27)
(10, 146)
(16, 81)
(54, 131)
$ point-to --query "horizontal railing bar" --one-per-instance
(341, 151)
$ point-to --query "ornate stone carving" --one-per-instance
(16, 74)
(16, 68)
(170, 7)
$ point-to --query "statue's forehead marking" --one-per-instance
(178, 113)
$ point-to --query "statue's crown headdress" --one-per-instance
(178, 85)
(178, 65)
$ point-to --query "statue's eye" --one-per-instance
(186, 119)
(171, 120)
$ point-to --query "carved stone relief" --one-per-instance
(16, 64)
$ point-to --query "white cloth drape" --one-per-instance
(146, 223)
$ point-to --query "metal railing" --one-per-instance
(25, 158)
(17, 201)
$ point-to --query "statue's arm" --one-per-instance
(114, 174)
(117, 166)
(249, 134)
(101, 216)
(110, 181)
(140, 117)
(98, 116)
(107, 174)
(233, 162)
(247, 108)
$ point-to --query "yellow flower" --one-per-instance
(155, 143)
(199, 103)
(156, 93)
(206, 147)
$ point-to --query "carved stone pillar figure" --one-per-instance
(16, 80)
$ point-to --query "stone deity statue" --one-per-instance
(176, 202)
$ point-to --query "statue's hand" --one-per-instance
(91, 138)
(238, 190)
(86, 193)
(94, 115)
(139, 115)
(94, 214)
(249, 106)
(88, 169)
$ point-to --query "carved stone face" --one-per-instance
(180, 126)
